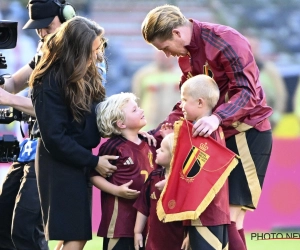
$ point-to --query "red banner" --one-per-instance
(199, 168)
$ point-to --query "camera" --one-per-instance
(9, 148)
(8, 39)
(9, 145)
(8, 34)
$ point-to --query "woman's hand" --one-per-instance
(104, 168)
(150, 138)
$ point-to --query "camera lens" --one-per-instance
(4, 35)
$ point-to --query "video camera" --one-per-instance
(9, 145)
(8, 38)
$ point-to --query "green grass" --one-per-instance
(96, 244)
(272, 244)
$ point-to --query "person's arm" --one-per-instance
(19, 80)
(234, 55)
(140, 223)
(120, 191)
(242, 72)
(13, 85)
(53, 119)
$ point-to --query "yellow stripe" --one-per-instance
(226, 248)
(112, 243)
(249, 167)
(192, 158)
(210, 238)
(112, 224)
(241, 127)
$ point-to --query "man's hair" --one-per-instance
(169, 138)
(68, 51)
(203, 86)
(109, 112)
(159, 23)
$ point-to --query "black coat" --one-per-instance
(63, 158)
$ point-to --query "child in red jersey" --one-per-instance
(160, 235)
(120, 118)
(199, 96)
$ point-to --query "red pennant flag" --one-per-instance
(199, 168)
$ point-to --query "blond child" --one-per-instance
(120, 118)
(199, 95)
(160, 235)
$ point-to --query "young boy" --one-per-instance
(199, 95)
(120, 118)
(160, 235)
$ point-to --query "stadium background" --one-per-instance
(277, 24)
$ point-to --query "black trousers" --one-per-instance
(20, 212)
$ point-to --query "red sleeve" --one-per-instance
(237, 60)
(142, 203)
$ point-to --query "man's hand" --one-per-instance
(205, 126)
(104, 168)
(165, 129)
(127, 193)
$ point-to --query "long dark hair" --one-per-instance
(70, 49)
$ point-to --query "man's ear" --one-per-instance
(121, 124)
(176, 32)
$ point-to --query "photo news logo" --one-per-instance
(275, 236)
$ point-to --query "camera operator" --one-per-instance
(20, 213)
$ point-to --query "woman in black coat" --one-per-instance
(66, 87)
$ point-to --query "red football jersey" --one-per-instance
(161, 235)
(135, 162)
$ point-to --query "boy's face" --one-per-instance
(134, 116)
(191, 107)
(163, 156)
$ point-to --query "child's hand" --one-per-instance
(138, 241)
(160, 185)
(166, 129)
(125, 192)
(186, 243)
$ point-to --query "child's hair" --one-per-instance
(203, 86)
(169, 138)
(110, 111)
